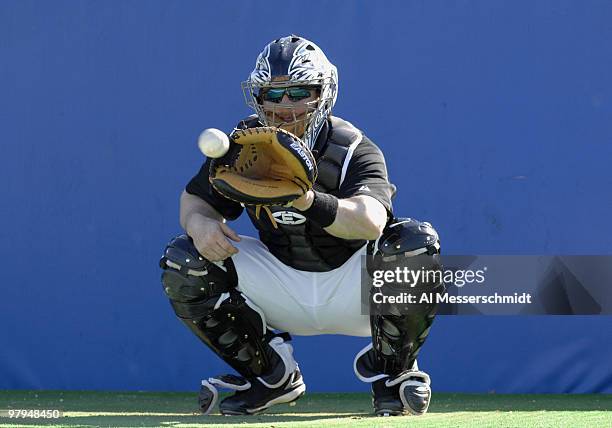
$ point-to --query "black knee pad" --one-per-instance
(204, 296)
(192, 283)
(399, 330)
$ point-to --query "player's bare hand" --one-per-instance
(304, 202)
(212, 238)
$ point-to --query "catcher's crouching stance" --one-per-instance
(206, 298)
(327, 198)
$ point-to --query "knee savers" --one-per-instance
(192, 283)
(399, 330)
(204, 296)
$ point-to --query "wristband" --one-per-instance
(323, 209)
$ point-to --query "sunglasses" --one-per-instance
(275, 95)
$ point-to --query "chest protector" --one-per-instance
(299, 242)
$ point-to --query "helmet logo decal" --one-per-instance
(262, 68)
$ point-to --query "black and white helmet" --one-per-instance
(294, 61)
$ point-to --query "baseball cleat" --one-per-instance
(252, 396)
(408, 393)
(259, 397)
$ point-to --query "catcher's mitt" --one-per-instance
(264, 166)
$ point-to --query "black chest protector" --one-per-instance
(299, 242)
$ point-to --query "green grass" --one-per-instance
(149, 409)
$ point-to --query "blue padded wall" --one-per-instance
(496, 118)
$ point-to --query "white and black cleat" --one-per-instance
(251, 397)
(259, 397)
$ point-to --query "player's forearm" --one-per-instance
(358, 218)
(192, 206)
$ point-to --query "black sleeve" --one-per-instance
(367, 175)
(200, 186)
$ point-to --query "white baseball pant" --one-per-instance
(300, 302)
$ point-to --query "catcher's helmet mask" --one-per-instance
(292, 116)
(293, 61)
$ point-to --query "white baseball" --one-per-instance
(213, 143)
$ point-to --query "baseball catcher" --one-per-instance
(317, 191)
